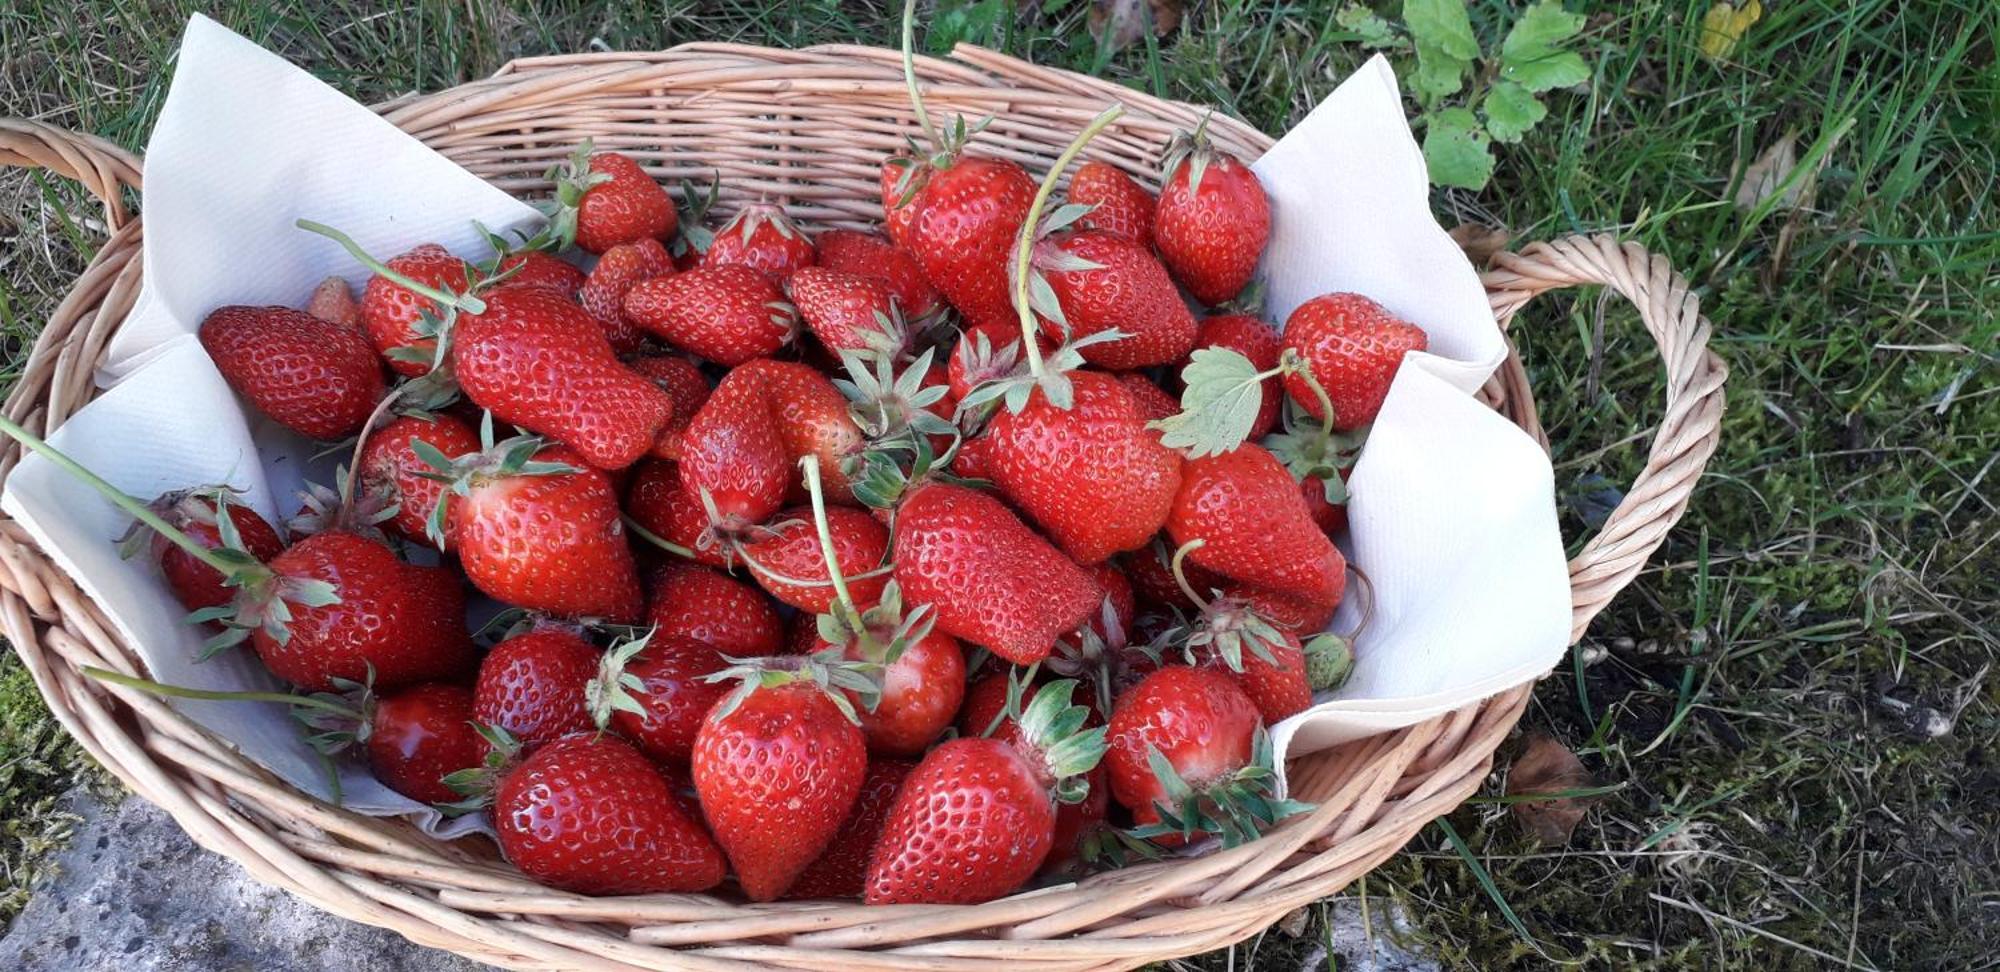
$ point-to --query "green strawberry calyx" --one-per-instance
(477, 785)
(1225, 627)
(493, 461)
(614, 689)
(1237, 806)
(1192, 148)
(1329, 661)
(841, 679)
(1052, 736)
(692, 237)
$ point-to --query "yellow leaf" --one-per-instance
(1723, 25)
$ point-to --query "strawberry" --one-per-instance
(983, 714)
(790, 552)
(1256, 341)
(974, 459)
(1267, 661)
(356, 613)
(1330, 515)
(537, 529)
(922, 672)
(728, 314)
(588, 813)
(1212, 220)
(992, 580)
(333, 301)
(532, 684)
(1121, 206)
(604, 199)
(316, 378)
(415, 737)
(978, 358)
(1253, 525)
(391, 312)
(1103, 281)
(873, 256)
(540, 268)
(1216, 772)
(391, 465)
(842, 869)
(683, 382)
(1090, 474)
(778, 765)
(813, 419)
(849, 312)
(1309, 610)
(710, 606)
(657, 503)
(902, 184)
(976, 819)
(537, 361)
(1352, 347)
(732, 455)
(196, 513)
(1153, 403)
(655, 691)
(1153, 582)
(621, 268)
(963, 236)
(760, 236)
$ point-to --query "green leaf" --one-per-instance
(1511, 110)
(1372, 29)
(1530, 55)
(1445, 46)
(1457, 150)
(1219, 404)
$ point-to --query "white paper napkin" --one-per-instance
(1453, 513)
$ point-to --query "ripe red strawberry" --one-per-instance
(979, 358)
(683, 382)
(1266, 659)
(537, 361)
(968, 218)
(532, 685)
(658, 693)
(727, 314)
(778, 768)
(390, 311)
(537, 529)
(1090, 475)
(976, 819)
(974, 459)
(873, 256)
(1217, 755)
(395, 622)
(842, 869)
(1257, 341)
(1254, 525)
(984, 710)
(848, 311)
(992, 581)
(621, 268)
(390, 465)
(1212, 220)
(316, 378)
(1153, 581)
(1353, 347)
(657, 502)
(921, 683)
(760, 236)
(1154, 404)
(540, 268)
(733, 453)
(333, 301)
(1127, 289)
(710, 606)
(902, 183)
(589, 814)
(1301, 611)
(814, 419)
(1331, 516)
(1122, 206)
(417, 736)
(605, 199)
(791, 551)
(195, 511)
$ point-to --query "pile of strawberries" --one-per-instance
(904, 565)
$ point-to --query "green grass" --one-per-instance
(1797, 698)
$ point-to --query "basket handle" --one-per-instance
(1687, 435)
(103, 168)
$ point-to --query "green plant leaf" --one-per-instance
(1445, 44)
(1218, 406)
(1374, 31)
(1511, 110)
(1530, 55)
(1456, 149)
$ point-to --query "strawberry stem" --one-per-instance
(121, 499)
(1292, 364)
(657, 540)
(1180, 577)
(465, 302)
(810, 466)
(1024, 248)
(361, 442)
(910, 74)
(183, 692)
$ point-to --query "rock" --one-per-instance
(134, 893)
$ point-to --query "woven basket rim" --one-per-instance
(1373, 794)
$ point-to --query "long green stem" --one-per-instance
(183, 692)
(465, 302)
(1297, 366)
(1180, 578)
(1024, 248)
(810, 465)
(657, 540)
(119, 498)
(910, 74)
(361, 443)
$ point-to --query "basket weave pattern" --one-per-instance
(806, 128)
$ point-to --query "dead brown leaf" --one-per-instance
(1770, 170)
(1119, 23)
(1480, 241)
(1547, 766)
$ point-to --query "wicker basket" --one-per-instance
(809, 128)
